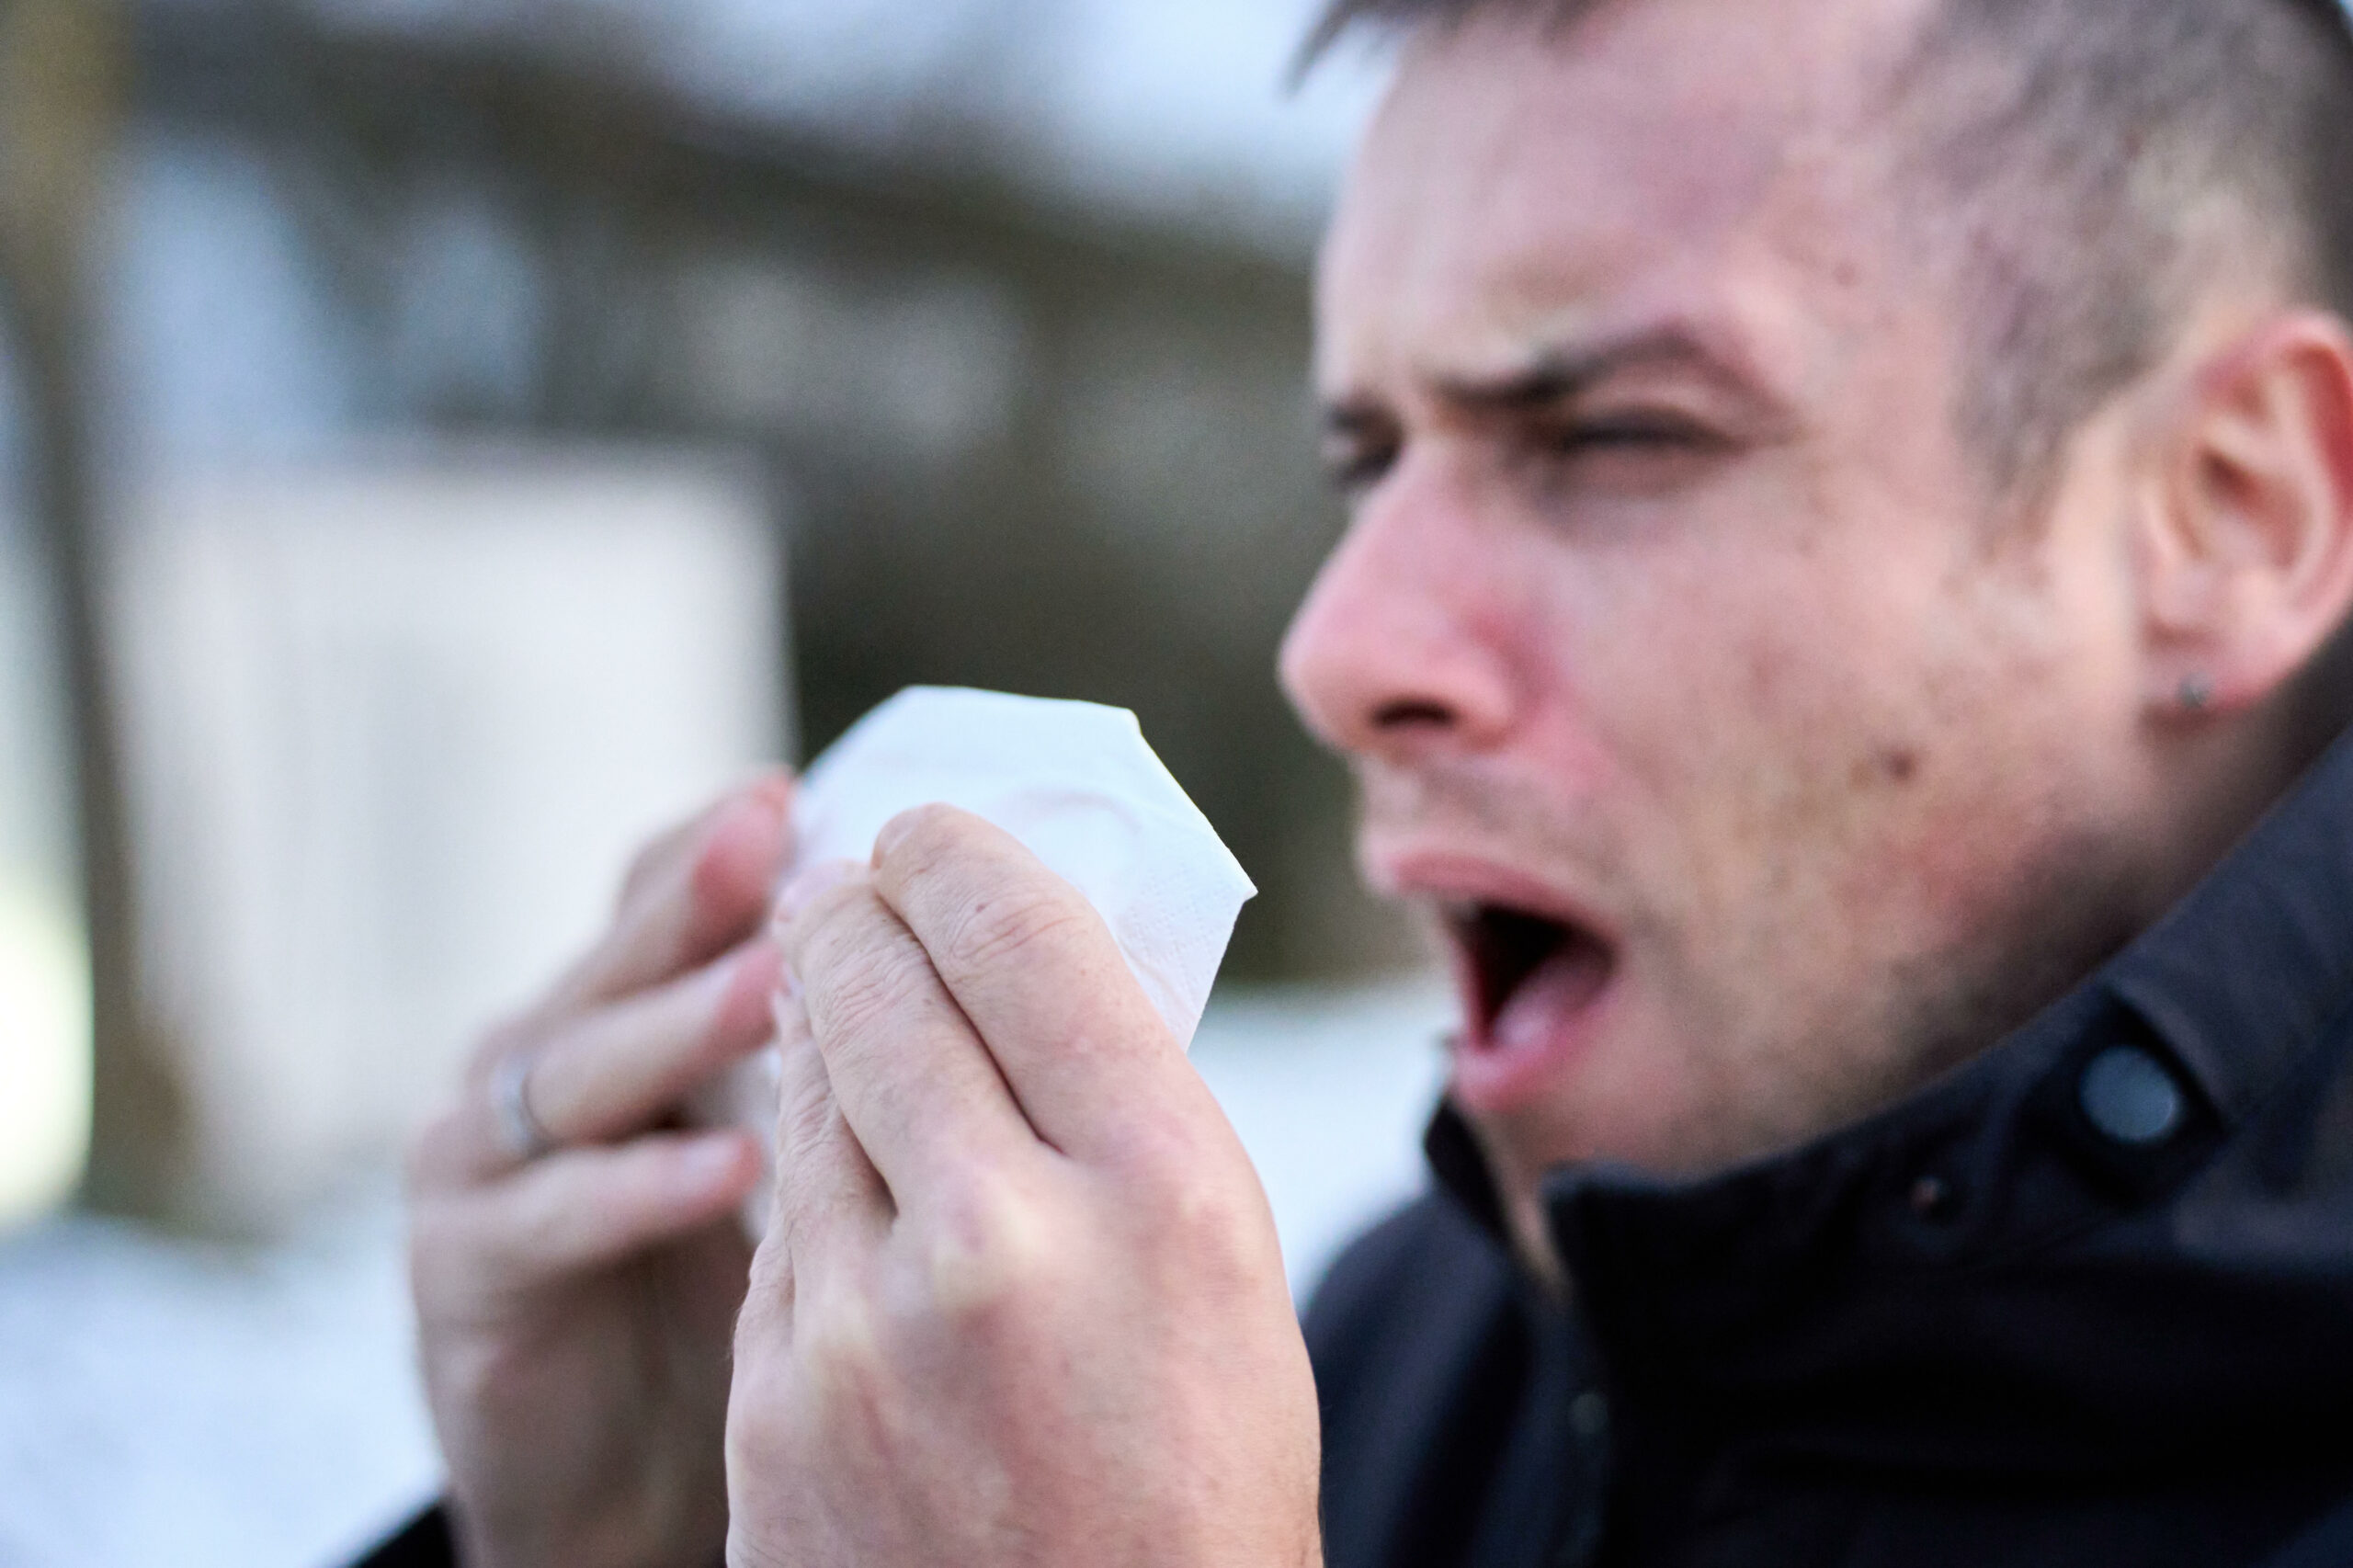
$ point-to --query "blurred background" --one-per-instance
(443, 440)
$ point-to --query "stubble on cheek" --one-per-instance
(2067, 899)
(1950, 921)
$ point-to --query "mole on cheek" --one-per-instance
(1894, 765)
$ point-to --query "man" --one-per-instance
(1841, 629)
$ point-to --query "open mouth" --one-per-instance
(1528, 978)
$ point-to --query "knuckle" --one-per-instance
(1212, 1225)
(837, 1339)
(849, 986)
(990, 1249)
(825, 929)
(856, 1001)
(1206, 1215)
(920, 838)
(539, 1224)
(805, 932)
(1001, 929)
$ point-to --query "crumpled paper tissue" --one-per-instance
(1076, 784)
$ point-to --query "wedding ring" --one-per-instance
(519, 1130)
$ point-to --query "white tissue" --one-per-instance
(1076, 784)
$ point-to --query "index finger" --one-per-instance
(915, 1085)
(692, 895)
(1035, 968)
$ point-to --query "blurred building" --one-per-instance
(392, 726)
(995, 310)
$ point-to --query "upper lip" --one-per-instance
(1460, 884)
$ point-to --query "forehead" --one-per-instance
(1679, 158)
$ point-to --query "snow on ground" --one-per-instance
(168, 1403)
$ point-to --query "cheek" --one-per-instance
(1788, 740)
(1749, 693)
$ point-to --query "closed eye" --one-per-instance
(1353, 467)
(1627, 455)
(1632, 434)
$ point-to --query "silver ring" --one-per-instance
(519, 1130)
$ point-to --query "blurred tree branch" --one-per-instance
(63, 88)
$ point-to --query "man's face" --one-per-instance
(1752, 769)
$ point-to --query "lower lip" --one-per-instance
(1507, 1062)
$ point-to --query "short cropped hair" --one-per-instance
(2063, 162)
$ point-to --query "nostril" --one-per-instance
(1411, 715)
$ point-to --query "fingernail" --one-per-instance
(705, 1161)
(740, 990)
(897, 828)
(746, 841)
(775, 792)
(757, 966)
(806, 888)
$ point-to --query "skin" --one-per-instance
(1726, 652)
(574, 1312)
(1022, 1302)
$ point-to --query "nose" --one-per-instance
(1400, 647)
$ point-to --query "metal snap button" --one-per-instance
(1932, 1198)
(2130, 1097)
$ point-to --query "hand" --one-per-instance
(575, 1308)
(1021, 1300)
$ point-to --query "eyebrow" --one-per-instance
(1557, 374)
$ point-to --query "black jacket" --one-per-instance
(2087, 1302)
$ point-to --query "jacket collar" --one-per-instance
(2242, 978)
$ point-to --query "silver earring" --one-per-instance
(2197, 694)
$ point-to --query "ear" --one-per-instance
(2247, 550)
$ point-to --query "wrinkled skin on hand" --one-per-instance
(1021, 1302)
(574, 1311)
